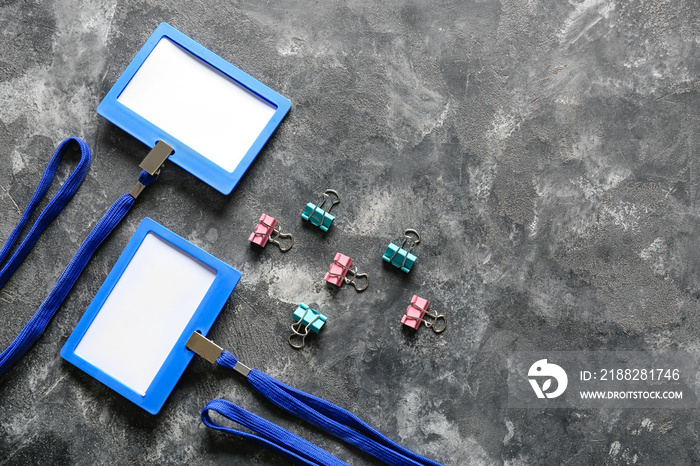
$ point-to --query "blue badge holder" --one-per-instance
(225, 280)
(185, 156)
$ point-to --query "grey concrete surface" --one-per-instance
(547, 151)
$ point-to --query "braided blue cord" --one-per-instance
(329, 417)
(37, 324)
(269, 435)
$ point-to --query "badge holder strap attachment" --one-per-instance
(38, 322)
(321, 413)
(151, 165)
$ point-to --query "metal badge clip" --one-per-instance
(152, 165)
(156, 158)
(211, 351)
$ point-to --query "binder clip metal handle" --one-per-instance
(294, 338)
(305, 319)
(407, 238)
(439, 329)
(267, 230)
(342, 271)
(319, 214)
(276, 234)
(326, 197)
(402, 249)
(438, 324)
(357, 275)
(417, 313)
(351, 281)
(297, 340)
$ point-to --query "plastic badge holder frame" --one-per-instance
(179, 357)
(184, 156)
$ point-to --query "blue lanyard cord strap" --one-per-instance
(270, 436)
(329, 417)
(37, 324)
(52, 209)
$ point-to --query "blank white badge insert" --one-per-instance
(145, 313)
(198, 104)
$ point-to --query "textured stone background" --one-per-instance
(546, 151)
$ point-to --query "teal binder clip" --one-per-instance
(305, 319)
(321, 217)
(399, 255)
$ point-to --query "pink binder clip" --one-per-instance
(267, 230)
(338, 273)
(417, 312)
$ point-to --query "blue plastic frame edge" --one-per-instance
(175, 364)
(185, 156)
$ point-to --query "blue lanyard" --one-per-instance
(323, 414)
(37, 324)
(269, 435)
